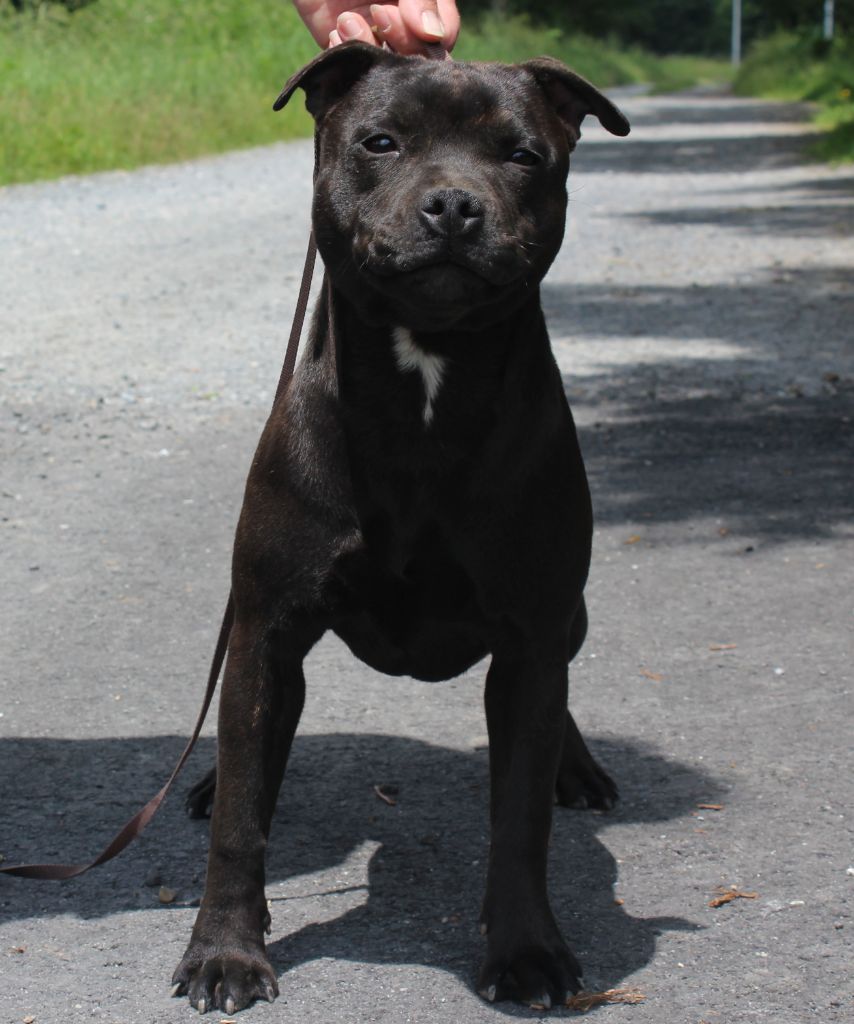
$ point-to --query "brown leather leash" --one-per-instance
(138, 822)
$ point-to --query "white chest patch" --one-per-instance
(410, 356)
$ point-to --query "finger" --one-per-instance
(391, 30)
(334, 39)
(353, 26)
(430, 21)
(450, 17)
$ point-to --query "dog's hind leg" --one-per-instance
(200, 796)
(581, 782)
(225, 965)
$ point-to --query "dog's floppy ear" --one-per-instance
(331, 74)
(573, 97)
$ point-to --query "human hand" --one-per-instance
(406, 25)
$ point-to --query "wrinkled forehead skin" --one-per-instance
(448, 102)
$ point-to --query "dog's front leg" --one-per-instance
(225, 965)
(527, 959)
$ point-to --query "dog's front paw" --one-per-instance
(227, 980)
(542, 975)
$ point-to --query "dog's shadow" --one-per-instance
(389, 884)
(427, 856)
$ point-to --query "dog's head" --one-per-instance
(440, 195)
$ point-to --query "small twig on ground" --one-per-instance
(585, 1001)
(656, 677)
(730, 894)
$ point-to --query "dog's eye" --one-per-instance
(524, 157)
(380, 144)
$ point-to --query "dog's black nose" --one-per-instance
(449, 212)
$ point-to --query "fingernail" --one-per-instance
(334, 38)
(432, 24)
(348, 27)
(381, 18)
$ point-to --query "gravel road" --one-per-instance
(702, 313)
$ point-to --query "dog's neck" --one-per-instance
(484, 348)
(398, 372)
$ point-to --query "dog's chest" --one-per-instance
(414, 409)
(408, 605)
(412, 358)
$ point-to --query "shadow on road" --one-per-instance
(814, 301)
(841, 186)
(703, 152)
(771, 469)
(426, 874)
(724, 434)
(818, 219)
(720, 155)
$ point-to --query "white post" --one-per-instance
(828, 19)
(736, 32)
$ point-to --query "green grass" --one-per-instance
(604, 62)
(121, 83)
(790, 67)
(126, 82)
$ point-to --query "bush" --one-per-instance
(806, 67)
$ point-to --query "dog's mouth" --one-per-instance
(432, 283)
(496, 268)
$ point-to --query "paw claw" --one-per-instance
(176, 990)
(531, 972)
(488, 993)
(570, 992)
(225, 980)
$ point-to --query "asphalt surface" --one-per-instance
(702, 313)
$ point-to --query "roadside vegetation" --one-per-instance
(606, 62)
(119, 83)
(803, 67)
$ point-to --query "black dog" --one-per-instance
(419, 488)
